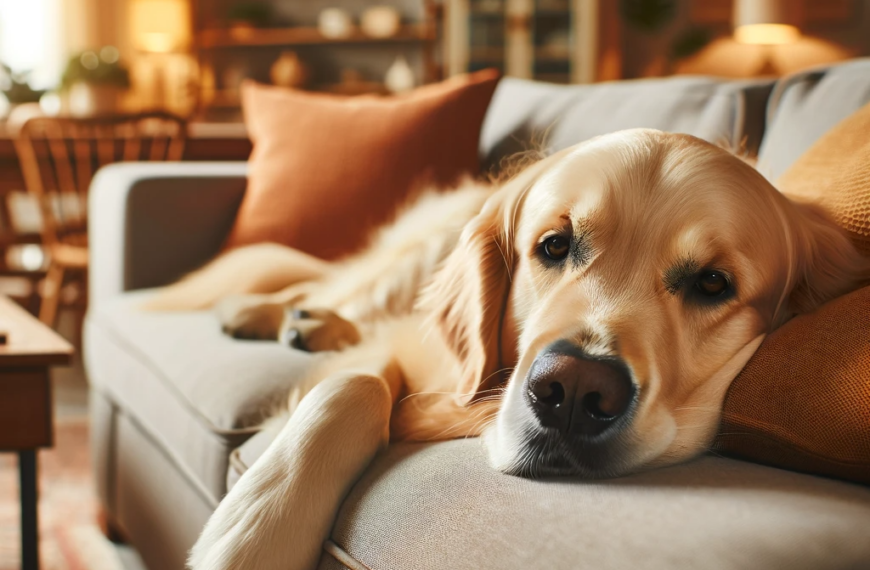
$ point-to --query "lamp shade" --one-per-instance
(769, 22)
(160, 26)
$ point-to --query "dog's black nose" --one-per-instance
(578, 394)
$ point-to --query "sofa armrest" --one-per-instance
(150, 223)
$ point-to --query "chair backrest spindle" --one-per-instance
(59, 157)
(132, 143)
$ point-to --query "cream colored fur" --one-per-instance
(453, 365)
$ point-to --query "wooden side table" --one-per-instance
(30, 349)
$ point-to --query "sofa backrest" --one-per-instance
(805, 106)
(526, 115)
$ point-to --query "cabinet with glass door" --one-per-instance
(546, 40)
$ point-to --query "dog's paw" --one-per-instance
(317, 330)
(250, 317)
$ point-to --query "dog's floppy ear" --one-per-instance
(827, 263)
(469, 296)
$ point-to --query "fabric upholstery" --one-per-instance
(328, 562)
(711, 513)
(154, 503)
(436, 506)
(803, 401)
(245, 455)
(805, 106)
(198, 392)
(150, 223)
(528, 115)
(325, 169)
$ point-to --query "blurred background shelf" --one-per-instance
(286, 47)
(306, 36)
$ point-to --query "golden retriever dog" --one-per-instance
(586, 317)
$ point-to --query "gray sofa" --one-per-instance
(175, 404)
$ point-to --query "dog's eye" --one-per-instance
(711, 283)
(556, 247)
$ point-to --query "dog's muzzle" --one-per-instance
(580, 396)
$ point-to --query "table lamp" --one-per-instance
(766, 23)
(160, 27)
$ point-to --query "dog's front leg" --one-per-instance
(282, 509)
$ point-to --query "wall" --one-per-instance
(91, 24)
(94, 23)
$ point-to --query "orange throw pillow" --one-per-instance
(327, 169)
(803, 400)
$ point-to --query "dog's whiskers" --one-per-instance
(447, 432)
(479, 427)
(496, 393)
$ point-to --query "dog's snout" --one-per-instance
(578, 394)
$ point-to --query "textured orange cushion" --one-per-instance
(803, 401)
(326, 169)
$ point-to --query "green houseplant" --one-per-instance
(254, 14)
(89, 67)
(17, 86)
(93, 82)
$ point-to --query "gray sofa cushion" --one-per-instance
(428, 507)
(805, 106)
(200, 399)
(529, 114)
(436, 506)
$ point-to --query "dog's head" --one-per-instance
(624, 283)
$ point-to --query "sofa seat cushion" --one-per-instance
(530, 115)
(441, 506)
(197, 392)
(435, 506)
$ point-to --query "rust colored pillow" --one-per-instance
(803, 400)
(326, 169)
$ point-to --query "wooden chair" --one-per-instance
(59, 157)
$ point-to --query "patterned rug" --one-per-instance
(69, 537)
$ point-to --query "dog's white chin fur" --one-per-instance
(505, 437)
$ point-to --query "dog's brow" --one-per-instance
(580, 253)
(580, 243)
(677, 274)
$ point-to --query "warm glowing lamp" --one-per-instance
(160, 26)
(765, 22)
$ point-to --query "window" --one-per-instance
(30, 39)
